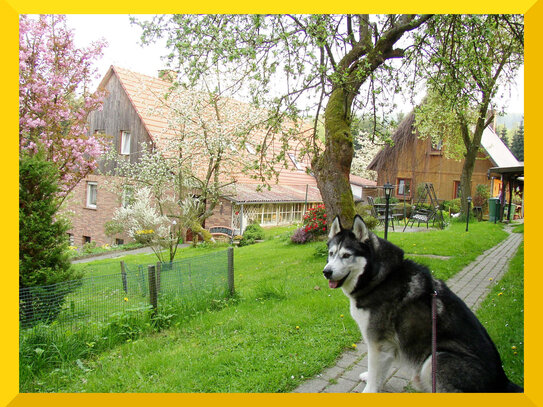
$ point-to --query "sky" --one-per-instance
(125, 50)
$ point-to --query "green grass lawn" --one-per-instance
(502, 314)
(283, 325)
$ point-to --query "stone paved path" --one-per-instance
(472, 284)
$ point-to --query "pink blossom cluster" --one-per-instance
(54, 96)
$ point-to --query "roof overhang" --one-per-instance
(515, 172)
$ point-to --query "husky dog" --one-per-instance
(391, 300)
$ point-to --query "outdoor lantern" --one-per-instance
(388, 187)
(388, 191)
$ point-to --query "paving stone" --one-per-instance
(354, 373)
(342, 386)
(316, 385)
(348, 359)
(396, 385)
(332, 372)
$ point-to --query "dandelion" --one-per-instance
(125, 299)
(514, 347)
(490, 279)
(341, 316)
(500, 294)
(297, 327)
(354, 346)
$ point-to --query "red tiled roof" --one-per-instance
(356, 180)
(249, 193)
(147, 96)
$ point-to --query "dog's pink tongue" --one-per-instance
(332, 284)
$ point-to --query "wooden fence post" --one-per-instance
(231, 270)
(123, 277)
(158, 273)
(152, 289)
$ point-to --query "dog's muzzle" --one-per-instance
(328, 272)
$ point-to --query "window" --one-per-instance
(71, 239)
(295, 162)
(92, 192)
(404, 187)
(457, 190)
(86, 239)
(250, 149)
(437, 145)
(126, 139)
(119, 242)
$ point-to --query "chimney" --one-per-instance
(168, 75)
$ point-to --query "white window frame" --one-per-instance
(126, 142)
(294, 160)
(91, 203)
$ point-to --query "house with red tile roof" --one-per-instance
(135, 117)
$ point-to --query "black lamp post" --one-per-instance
(467, 218)
(388, 191)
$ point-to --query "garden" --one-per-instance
(282, 325)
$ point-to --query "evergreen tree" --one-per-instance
(517, 146)
(503, 136)
(43, 242)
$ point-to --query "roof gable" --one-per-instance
(497, 151)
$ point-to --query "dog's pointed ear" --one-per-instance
(360, 229)
(335, 228)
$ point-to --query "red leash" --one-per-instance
(434, 340)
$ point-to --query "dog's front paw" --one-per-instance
(364, 376)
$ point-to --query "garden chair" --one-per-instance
(379, 213)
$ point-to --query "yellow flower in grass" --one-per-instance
(125, 299)
(354, 346)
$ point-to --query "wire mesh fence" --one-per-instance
(91, 302)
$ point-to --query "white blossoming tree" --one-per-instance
(188, 169)
(144, 223)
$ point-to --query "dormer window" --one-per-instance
(295, 162)
(126, 141)
(250, 149)
(437, 145)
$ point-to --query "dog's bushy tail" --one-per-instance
(513, 388)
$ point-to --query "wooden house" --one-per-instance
(411, 161)
(135, 118)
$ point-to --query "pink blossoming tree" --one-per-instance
(55, 99)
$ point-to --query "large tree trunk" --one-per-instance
(332, 168)
(472, 148)
(465, 178)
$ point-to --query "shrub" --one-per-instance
(43, 242)
(482, 193)
(252, 233)
(452, 206)
(300, 236)
(365, 211)
(315, 221)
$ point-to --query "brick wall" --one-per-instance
(91, 221)
(222, 215)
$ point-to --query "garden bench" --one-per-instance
(222, 231)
